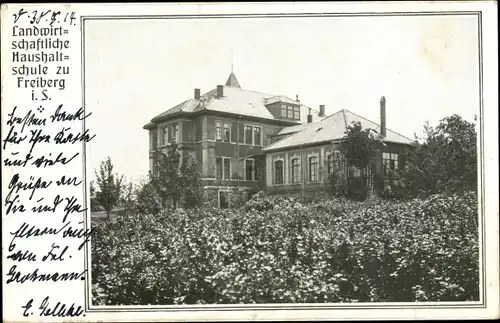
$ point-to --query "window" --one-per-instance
(296, 113)
(154, 139)
(223, 200)
(329, 166)
(258, 170)
(336, 161)
(218, 168)
(295, 170)
(313, 169)
(222, 132)
(164, 136)
(252, 170)
(249, 169)
(248, 135)
(283, 111)
(333, 162)
(391, 161)
(256, 136)
(223, 168)
(278, 172)
(290, 112)
(253, 135)
(175, 133)
(227, 132)
(227, 168)
(356, 172)
(218, 131)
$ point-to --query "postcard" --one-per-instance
(250, 161)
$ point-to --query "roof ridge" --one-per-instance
(377, 124)
(242, 89)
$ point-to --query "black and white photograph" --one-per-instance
(284, 159)
(278, 161)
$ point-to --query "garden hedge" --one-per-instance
(278, 250)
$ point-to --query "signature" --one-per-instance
(48, 308)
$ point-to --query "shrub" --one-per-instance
(278, 250)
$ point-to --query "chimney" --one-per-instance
(220, 91)
(297, 98)
(322, 110)
(383, 131)
(309, 116)
(196, 94)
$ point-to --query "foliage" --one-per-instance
(173, 180)
(358, 146)
(94, 206)
(129, 198)
(446, 160)
(338, 184)
(109, 186)
(278, 250)
(191, 178)
(148, 200)
(357, 188)
(394, 191)
(166, 177)
(358, 149)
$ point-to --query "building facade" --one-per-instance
(247, 141)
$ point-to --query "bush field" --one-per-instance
(276, 249)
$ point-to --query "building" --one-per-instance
(246, 141)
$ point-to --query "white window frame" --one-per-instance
(218, 197)
(253, 169)
(245, 134)
(309, 156)
(223, 169)
(332, 154)
(299, 171)
(283, 108)
(224, 126)
(391, 157)
(219, 125)
(253, 135)
(164, 136)
(279, 159)
(296, 109)
(289, 109)
(175, 132)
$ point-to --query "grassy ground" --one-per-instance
(102, 214)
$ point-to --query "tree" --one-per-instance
(109, 186)
(166, 177)
(128, 198)
(359, 149)
(148, 200)
(358, 146)
(192, 186)
(93, 201)
(173, 180)
(444, 161)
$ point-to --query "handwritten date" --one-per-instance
(36, 17)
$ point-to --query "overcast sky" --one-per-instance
(426, 67)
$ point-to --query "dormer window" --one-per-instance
(290, 112)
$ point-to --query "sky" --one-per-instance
(426, 67)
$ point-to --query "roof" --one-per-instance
(302, 126)
(235, 100)
(330, 128)
(281, 98)
(186, 106)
